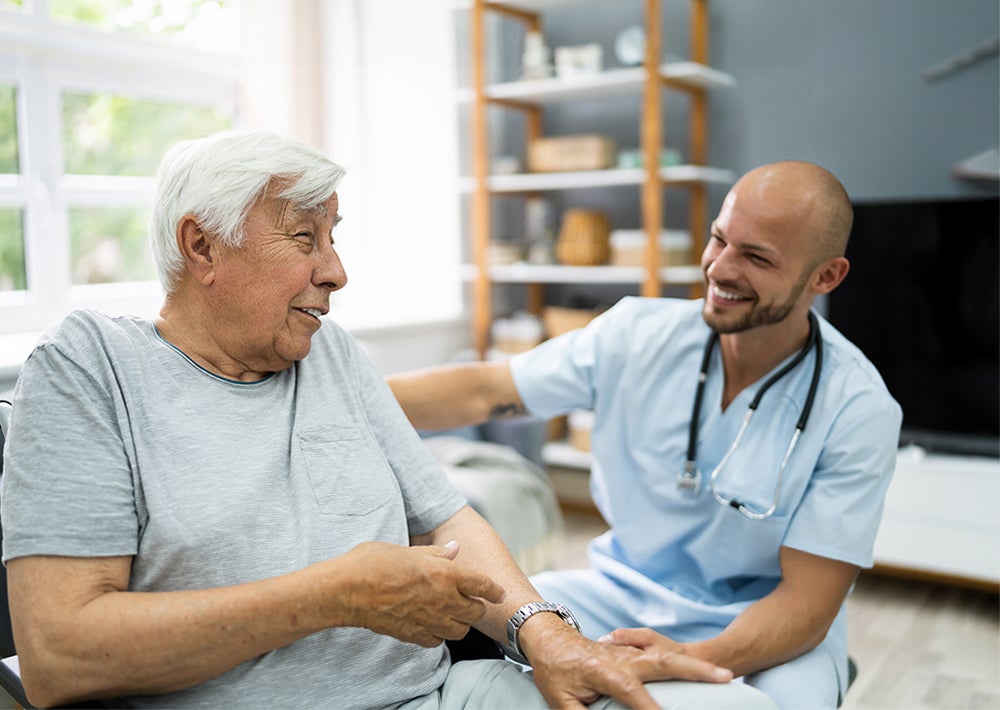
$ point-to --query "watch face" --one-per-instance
(630, 45)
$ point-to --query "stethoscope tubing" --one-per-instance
(690, 477)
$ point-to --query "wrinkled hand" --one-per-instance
(572, 671)
(418, 594)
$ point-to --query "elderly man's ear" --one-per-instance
(196, 248)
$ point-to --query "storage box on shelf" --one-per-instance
(549, 157)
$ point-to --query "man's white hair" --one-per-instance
(219, 178)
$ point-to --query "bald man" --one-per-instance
(734, 537)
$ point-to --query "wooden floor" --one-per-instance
(917, 644)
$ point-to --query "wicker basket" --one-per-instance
(558, 320)
(583, 238)
(587, 152)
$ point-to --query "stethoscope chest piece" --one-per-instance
(689, 481)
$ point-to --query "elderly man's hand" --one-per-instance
(416, 594)
(571, 671)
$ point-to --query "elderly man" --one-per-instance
(735, 535)
(227, 508)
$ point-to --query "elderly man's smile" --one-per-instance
(314, 312)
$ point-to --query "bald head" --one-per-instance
(806, 194)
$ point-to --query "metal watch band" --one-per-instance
(514, 623)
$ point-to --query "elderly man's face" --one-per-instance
(268, 294)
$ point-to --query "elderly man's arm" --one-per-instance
(790, 621)
(457, 395)
(569, 669)
(80, 634)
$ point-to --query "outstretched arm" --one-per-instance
(569, 669)
(790, 621)
(81, 634)
(457, 395)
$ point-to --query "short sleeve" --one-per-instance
(561, 374)
(66, 461)
(841, 510)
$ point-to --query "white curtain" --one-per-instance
(370, 82)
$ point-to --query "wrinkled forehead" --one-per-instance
(291, 210)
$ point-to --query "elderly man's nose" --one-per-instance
(330, 271)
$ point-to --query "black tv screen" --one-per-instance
(923, 303)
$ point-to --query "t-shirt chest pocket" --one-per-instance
(347, 473)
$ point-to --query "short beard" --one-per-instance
(757, 315)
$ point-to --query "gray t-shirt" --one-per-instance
(122, 445)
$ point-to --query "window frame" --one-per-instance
(43, 59)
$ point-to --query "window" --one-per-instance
(389, 89)
(92, 94)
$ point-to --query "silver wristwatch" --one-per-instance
(514, 623)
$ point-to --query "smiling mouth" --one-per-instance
(314, 312)
(727, 295)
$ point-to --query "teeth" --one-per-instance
(727, 295)
(315, 312)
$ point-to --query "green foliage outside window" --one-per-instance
(108, 244)
(205, 24)
(12, 275)
(8, 130)
(105, 134)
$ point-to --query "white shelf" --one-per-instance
(561, 453)
(533, 182)
(521, 272)
(612, 82)
(529, 5)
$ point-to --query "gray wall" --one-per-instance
(837, 82)
(840, 82)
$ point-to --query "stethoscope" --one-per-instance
(690, 479)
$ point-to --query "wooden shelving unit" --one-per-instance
(693, 76)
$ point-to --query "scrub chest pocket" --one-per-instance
(348, 473)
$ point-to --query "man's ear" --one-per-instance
(830, 274)
(196, 248)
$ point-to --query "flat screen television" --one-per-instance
(922, 301)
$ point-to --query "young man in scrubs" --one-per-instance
(748, 563)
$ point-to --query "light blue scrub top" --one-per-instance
(686, 559)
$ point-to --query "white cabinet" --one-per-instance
(942, 517)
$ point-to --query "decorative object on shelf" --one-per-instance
(583, 238)
(535, 62)
(540, 230)
(580, 60)
(504, 252)
(632, 158)
(556, 428)
(628, 247)
(558, 320)
(522, 331)
(506, 165)
(630, 46)
(581, 423)
(584, 157)
(565, 153)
